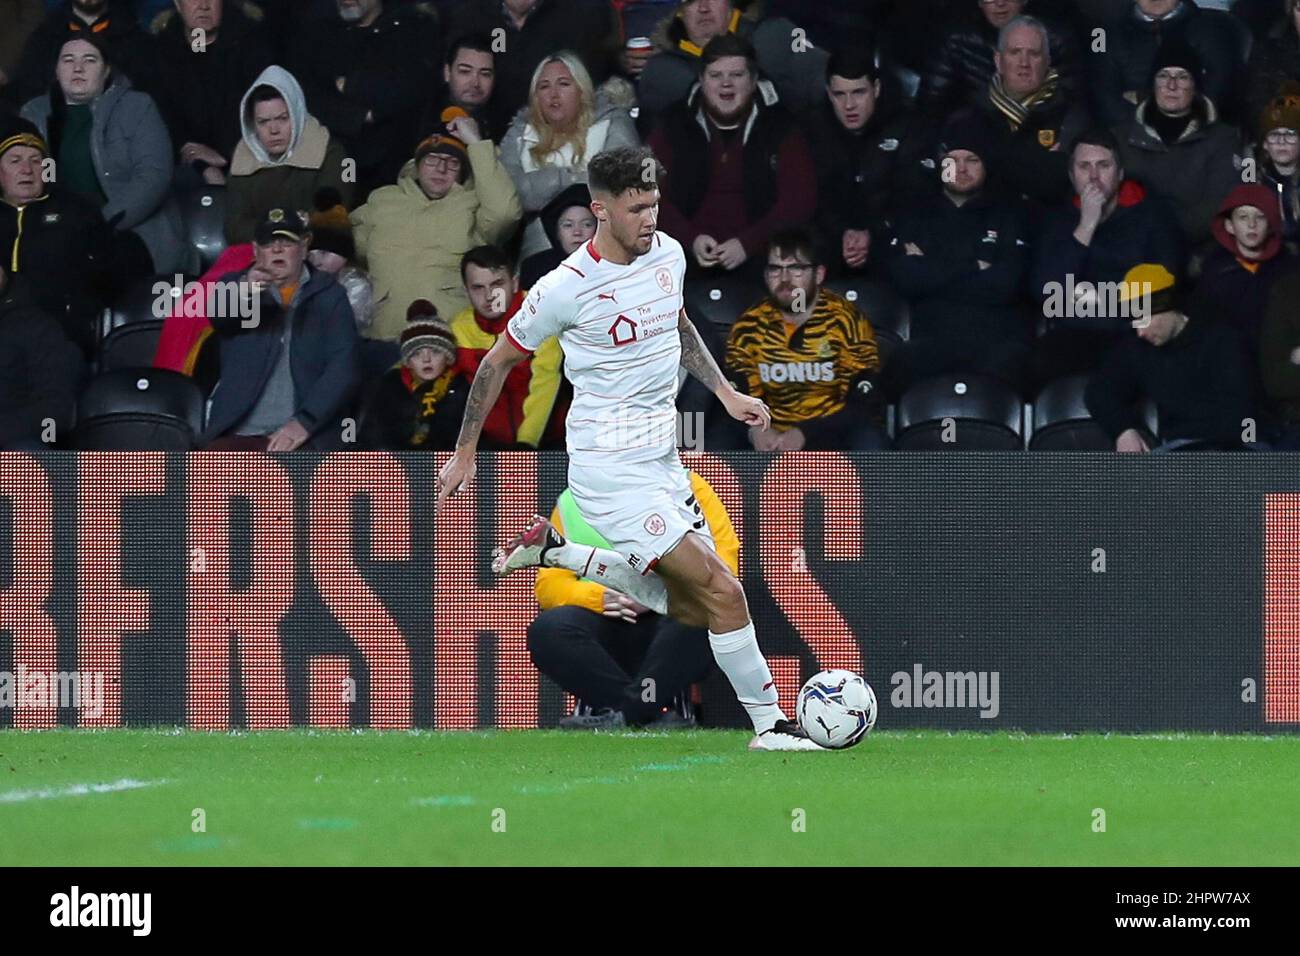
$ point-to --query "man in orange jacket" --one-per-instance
(626, 664)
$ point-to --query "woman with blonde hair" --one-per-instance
(554, 136)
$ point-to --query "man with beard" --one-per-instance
(810, 354)
(1112, 226)
(741, 169)
(200, 85)
(366, 73)
(960, 259)
(867, 152)
(111, 22)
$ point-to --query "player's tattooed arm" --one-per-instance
(696, 358)
(486, 389)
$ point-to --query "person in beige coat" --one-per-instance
(454, 195)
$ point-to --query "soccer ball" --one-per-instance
(836, 709)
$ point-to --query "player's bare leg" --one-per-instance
(703, 592)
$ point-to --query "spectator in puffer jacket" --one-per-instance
(1176, 145)
(569, 222)
(112, 149)
(1121, 74)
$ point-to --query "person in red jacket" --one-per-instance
(520, 417)
(739, 167)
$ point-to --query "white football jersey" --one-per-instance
(617, 325)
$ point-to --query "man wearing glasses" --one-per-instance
(808, 353)
(452, 197)
(1176, 145)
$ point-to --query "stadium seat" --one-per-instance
(1061, 421)
(722, 299)
(139, 409)
(884, 308)
(137, 303)
(132, 345)
(987, 415)
(204, 214)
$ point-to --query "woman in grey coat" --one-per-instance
(554, 136)
(110, 145)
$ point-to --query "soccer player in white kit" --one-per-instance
(616, 305)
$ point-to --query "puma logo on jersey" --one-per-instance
(780, 372)
(607, 295)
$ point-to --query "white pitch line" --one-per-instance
(76, 790)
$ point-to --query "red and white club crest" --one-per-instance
(665, 280)
(655, 525)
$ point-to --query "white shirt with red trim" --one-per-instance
(617, 325)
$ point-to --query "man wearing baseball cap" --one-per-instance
(289, 364)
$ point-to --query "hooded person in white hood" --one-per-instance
(285, 157)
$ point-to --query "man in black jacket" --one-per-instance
(1033, 114)
(366, 74)
(1121, 74)
(199, 85)
(1194, 368)
(963, 66)
(112, 22)
(39, 372)
(868, 163)
(1111, 226)
(960, 260)
(59, 243)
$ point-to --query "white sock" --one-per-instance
(738, 655)
(612, 570)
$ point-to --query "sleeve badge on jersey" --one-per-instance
(665, 280)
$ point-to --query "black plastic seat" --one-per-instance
(139, 409)
(203, 213)
(721, 300)
(985, 415)
(130, 346)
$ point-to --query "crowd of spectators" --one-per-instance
(1098, 188)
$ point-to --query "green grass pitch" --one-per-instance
(548, 797)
